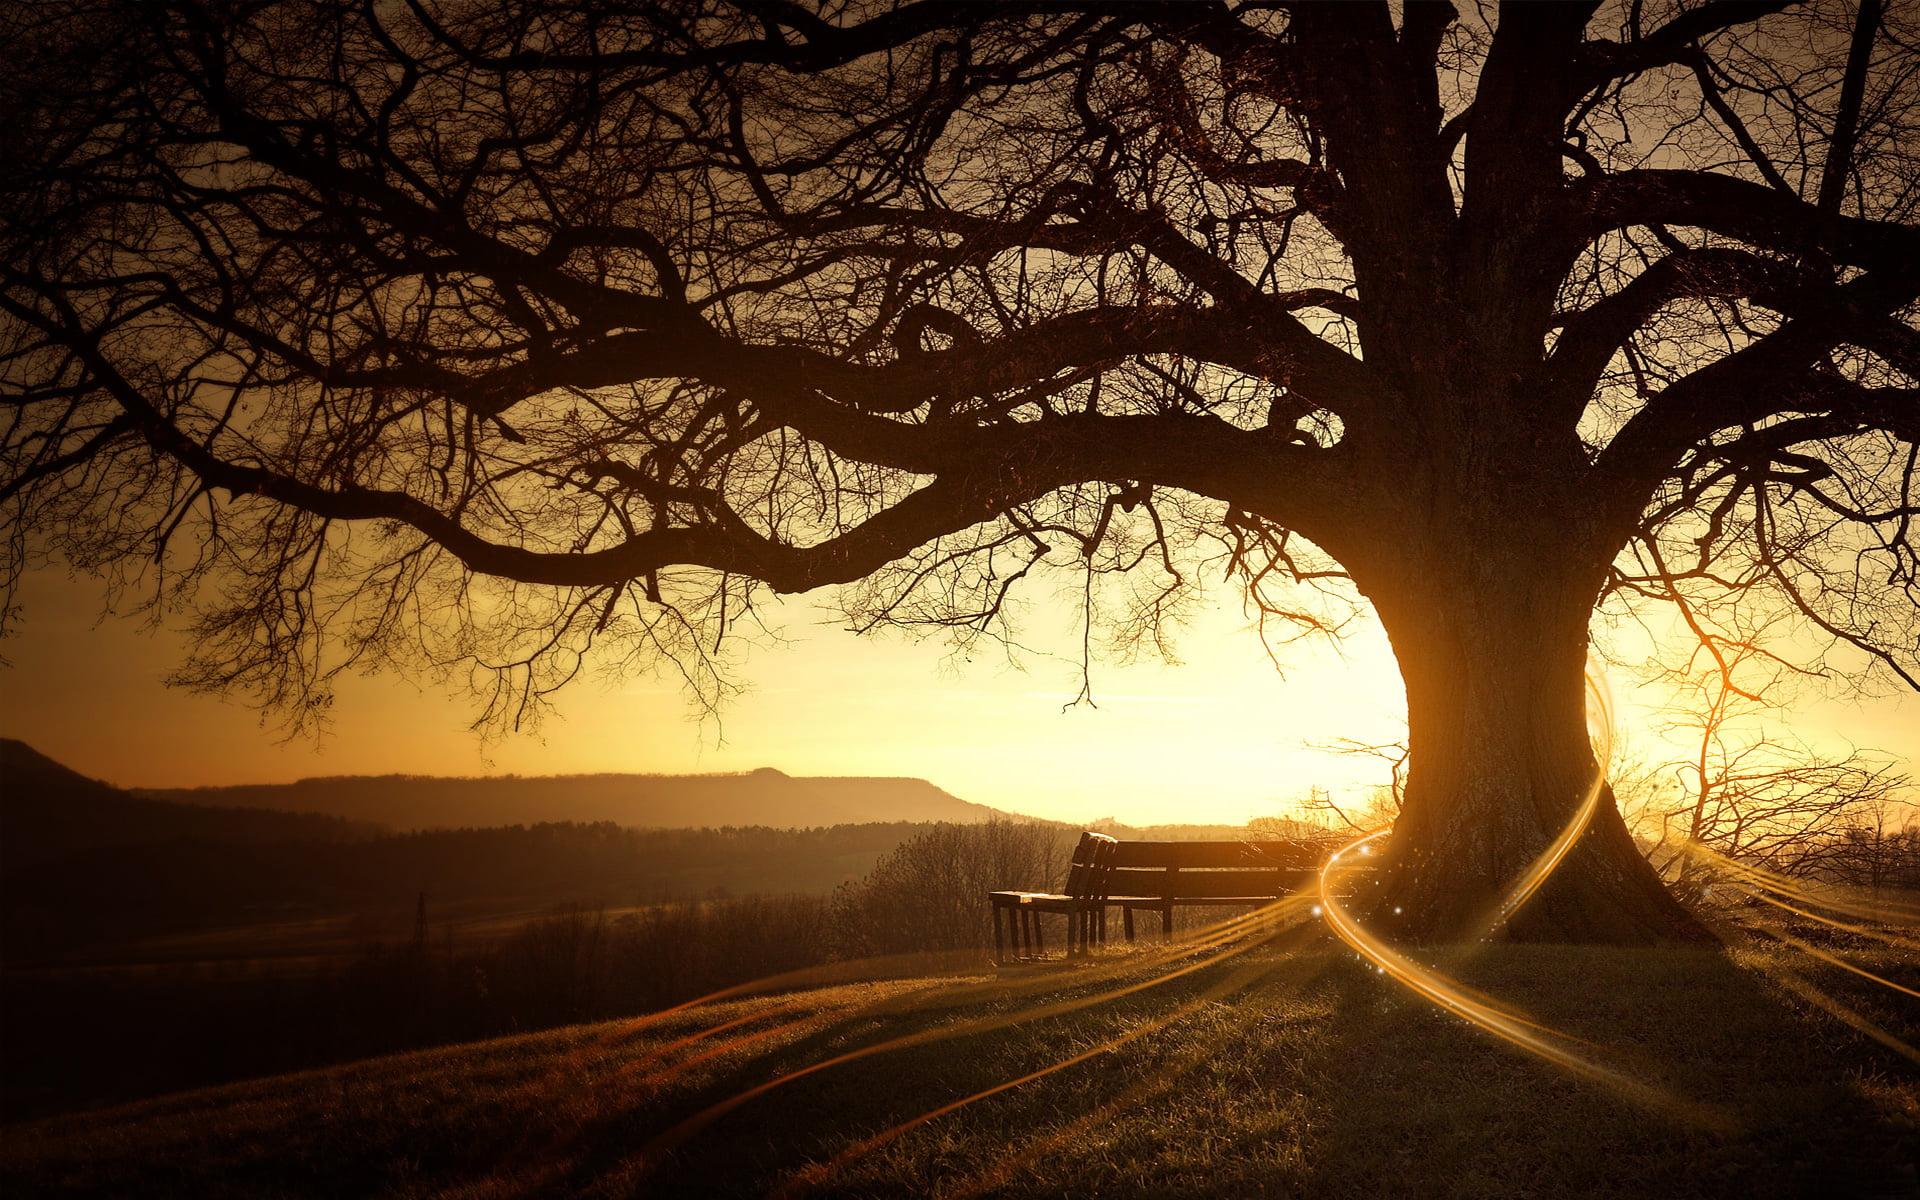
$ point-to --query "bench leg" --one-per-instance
(1126, 919)
(999, 945)
(1166, 923)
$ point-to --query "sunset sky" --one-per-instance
(1220, 738)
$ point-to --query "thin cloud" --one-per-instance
(1107, 699)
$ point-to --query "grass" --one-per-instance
(1288, 1069)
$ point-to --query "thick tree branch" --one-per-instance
(1736, 208)
(1590, 337)
(1604, 60)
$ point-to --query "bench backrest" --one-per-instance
(1209, 870)
(1086, 876)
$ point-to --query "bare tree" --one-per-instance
(488, 336)
(1878, 849)
(1384, 801)
(1745, 788)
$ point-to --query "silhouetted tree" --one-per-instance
(1874, 851)
(1748, 791)
(481, 335)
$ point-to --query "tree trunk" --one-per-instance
(1492, 646)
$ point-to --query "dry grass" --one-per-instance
(1286, 1070)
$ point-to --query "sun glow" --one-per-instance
(1219, 737)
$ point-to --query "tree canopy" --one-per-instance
(482, 335)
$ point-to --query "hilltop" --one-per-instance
(765, 797)
(1285, 1071)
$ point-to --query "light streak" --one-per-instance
(634, 1075)
(1443, 992)
(1522, 889)
(1841, 1012)
(1817, 952)
(1888, 911)
(1212, 938)
(1247, 1013)
(1754, 892)
(941, 994)
(814, 1175)
(1757, 882)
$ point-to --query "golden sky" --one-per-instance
(1220, 738)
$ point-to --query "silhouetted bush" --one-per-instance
(930, 892)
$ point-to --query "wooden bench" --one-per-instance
(1155, 877)
(1162, 876)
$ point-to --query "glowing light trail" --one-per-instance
(1818, 953)
(1600, 714)
(1891, 912)
(817, 1174)
(1757, 893)
(1248, 1012)
(1757, 882)
(1442, 991)
(1217, 935)
(1841, 1012)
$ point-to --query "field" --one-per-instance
(1287, 1068)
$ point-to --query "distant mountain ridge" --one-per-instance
(763, 797)
(48, 810)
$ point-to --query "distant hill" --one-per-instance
(48, 811)
(765, 797)
(85, 864)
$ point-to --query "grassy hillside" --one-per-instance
(1287, 1070)
(126, 1019)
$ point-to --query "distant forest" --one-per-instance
(122, 892)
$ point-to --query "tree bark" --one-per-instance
(1492, 647)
